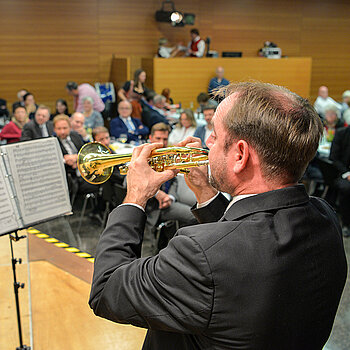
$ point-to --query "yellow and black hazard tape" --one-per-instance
(60, 244)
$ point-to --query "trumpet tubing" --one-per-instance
(96, 162)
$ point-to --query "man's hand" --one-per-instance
(71, 160)
(164, 199)
(142, 181)
(197, 179)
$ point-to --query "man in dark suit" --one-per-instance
(38, 127)
(125, 124)
(265, 271)
(204, 131)
(71, 142)
(151, 116)
(340, 154)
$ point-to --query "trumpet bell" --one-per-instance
(90, 163)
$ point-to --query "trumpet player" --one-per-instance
(265, 271)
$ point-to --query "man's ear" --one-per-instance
(241, 155)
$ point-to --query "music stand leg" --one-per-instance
(16, 286)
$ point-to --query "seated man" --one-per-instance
(340, 155)
(165, 205)
(38, 127)
(125, 124)
(71, 142)
(217, 82)
(12, 131)
(77, 121)
(150, 115)
(324, 100)
(204, 131)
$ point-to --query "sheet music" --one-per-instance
(8, 217)
(40, 180)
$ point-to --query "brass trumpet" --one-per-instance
(96, 161)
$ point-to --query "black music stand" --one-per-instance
(17, 285)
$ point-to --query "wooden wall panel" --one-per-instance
(46, 43)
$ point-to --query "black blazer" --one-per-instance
(32, 130)
(340, 150)
(78, 143)
(268, 275)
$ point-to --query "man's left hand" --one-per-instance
(142, 181)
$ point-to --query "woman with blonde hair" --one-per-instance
(185, 127)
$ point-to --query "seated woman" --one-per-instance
(92, 117)
(61, 108)
(185, 127)
(132, 128)
(30, 105)
(331, 122)
(12, 131)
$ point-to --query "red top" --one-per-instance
(10, 132)
(194, 46)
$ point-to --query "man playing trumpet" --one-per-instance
(265, 271)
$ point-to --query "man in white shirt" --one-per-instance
(196, 46)
(323, 100)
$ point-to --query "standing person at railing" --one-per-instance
(265, 271)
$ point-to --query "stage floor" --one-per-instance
(60, 284)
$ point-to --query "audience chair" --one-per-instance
(329, 172)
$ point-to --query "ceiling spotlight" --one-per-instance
(176, 17)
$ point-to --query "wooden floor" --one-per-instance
(61, 317)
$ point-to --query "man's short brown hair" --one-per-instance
(160, 127)
(61, 117)
(99, 130)
(282, 127)
(44, 107)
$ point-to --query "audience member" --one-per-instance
(92, 118)
(70, 143)
(149, 115)
(30, 105)
(165, 50)
(40, 126)
(203, 99)
(20, 101)
(166, 94)
(61, 108)
(196, 46)
(84, 90)
(12, 131)
(204, 131)
(159, 104)
(125, 124)
(132, 87)
(331, 122)
(77, 121)
(340, 155)
(217, 82)
(324, 100)
(345, 103)
(346, 115)
(185, 127)
(165, 205)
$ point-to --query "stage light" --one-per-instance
(176, 18)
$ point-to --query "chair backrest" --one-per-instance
(329, 171)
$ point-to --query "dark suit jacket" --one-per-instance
(200, 132)
(269, 275)
(150, 116)
(118, 127)
(78, 143)
(32, 130)
(340, 150)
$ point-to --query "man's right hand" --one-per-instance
(197, 179)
